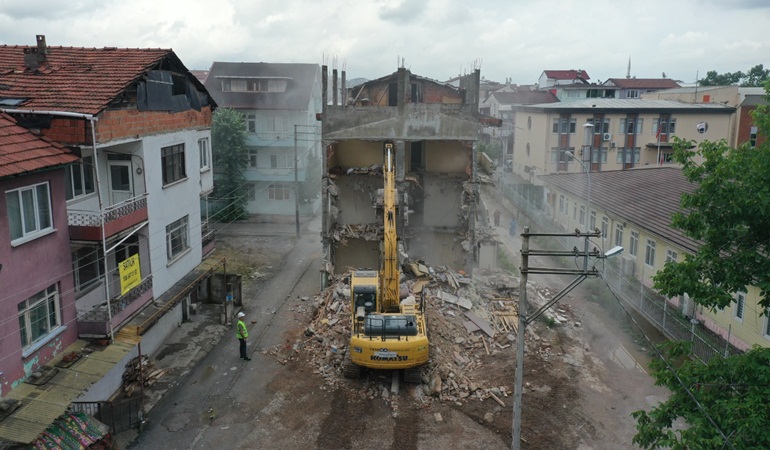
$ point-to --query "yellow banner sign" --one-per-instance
(130, 274)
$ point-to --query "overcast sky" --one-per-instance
(438, 39)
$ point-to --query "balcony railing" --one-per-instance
(118, 303)
(83, 218)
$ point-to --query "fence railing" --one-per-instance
(655, 308)
(119, 415)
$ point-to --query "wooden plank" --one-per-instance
(483, 324)
(470, 327)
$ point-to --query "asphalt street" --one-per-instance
(221, 385)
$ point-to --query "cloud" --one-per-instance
(403, 11)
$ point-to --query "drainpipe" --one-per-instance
(101, 226)
(92, 120)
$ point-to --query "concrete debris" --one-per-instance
(470, 320)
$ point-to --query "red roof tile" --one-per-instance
(24, 151)
(82, 80)
(567, 74)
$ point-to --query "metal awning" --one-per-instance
(42, 405)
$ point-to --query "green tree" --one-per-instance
(727, 394)
(228, 134)
(756, 76)
(727, 212)
(310, 188)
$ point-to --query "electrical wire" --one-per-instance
(668, 366)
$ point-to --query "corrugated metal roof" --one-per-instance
(647, 197)
(24, 151)
(600, 104)
(643, 83)
(42, 405)
(83, 80)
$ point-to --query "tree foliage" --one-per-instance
(732, 392)
(310, 188)
(228, 134)
(728, 213)
(756, 76)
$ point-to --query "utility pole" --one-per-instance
(525, 319)
(296, 183)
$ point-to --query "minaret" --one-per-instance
(628, 72)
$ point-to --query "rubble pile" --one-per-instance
(471, 324)
(137, 373)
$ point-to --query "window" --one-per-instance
(628, 155)
(125, 250)
(633, 93)
(664, 127)
(251, 123)
(592, 220)
(561, 204)
(619, 235)
(753, 137)
(177, 238)
(253, 159)
(172, 159)
(251, 191)
(633, 244)
(86, 266)
(766, 328)
(80, 178)
(39, 315)
(563, 125)
(29, 212)
(630, 126)
(604, 126)
(671, 256)
(279, 191)
(649, 255)
(281, 161)
(605, 227)
(740, 305)
(582, 214)
(566, 208)
(574, 211)
(203, 149)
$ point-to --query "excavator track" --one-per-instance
(413, 375)
(350, 370)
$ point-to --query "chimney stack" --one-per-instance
(35, 56)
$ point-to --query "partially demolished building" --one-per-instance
(434, 128)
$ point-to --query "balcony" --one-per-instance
(86, 225)
(96, 322)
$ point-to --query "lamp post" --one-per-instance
(588, 199)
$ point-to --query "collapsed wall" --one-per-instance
(434, 166)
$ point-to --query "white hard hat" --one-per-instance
(241, 314)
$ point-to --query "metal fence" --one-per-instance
(654, 308)
(119, 415)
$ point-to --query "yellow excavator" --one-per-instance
(386, 333)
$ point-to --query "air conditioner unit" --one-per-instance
(606, 137)
(613, 145)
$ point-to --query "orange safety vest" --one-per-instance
(242, 332)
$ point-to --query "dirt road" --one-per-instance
(582, 377)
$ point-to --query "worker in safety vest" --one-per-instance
(242, 334)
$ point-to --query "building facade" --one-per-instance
(279, 103)
(140, 123)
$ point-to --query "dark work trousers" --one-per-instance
(243, 348)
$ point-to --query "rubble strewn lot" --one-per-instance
(472, 331)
